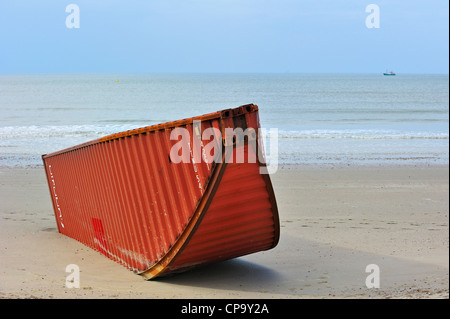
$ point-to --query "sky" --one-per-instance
(224, 36)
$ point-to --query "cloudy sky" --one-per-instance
(172, 36)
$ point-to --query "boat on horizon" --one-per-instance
(389, 73)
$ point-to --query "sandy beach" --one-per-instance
(334, 222)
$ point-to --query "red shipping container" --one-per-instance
(168, 197)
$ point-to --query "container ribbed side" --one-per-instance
(124, 197)
(240, 220)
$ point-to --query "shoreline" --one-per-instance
(398, 163)
(335, 220)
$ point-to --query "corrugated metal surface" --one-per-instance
(123, 196)
(239, 220)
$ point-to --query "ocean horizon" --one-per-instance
(321, 119)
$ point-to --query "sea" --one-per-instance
(313, 119)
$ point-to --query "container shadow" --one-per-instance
(300, 268)
(234, 274)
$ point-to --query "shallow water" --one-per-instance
(320, 119)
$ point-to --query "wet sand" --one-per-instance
(334, 222)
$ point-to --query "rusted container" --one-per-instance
(130, 197)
